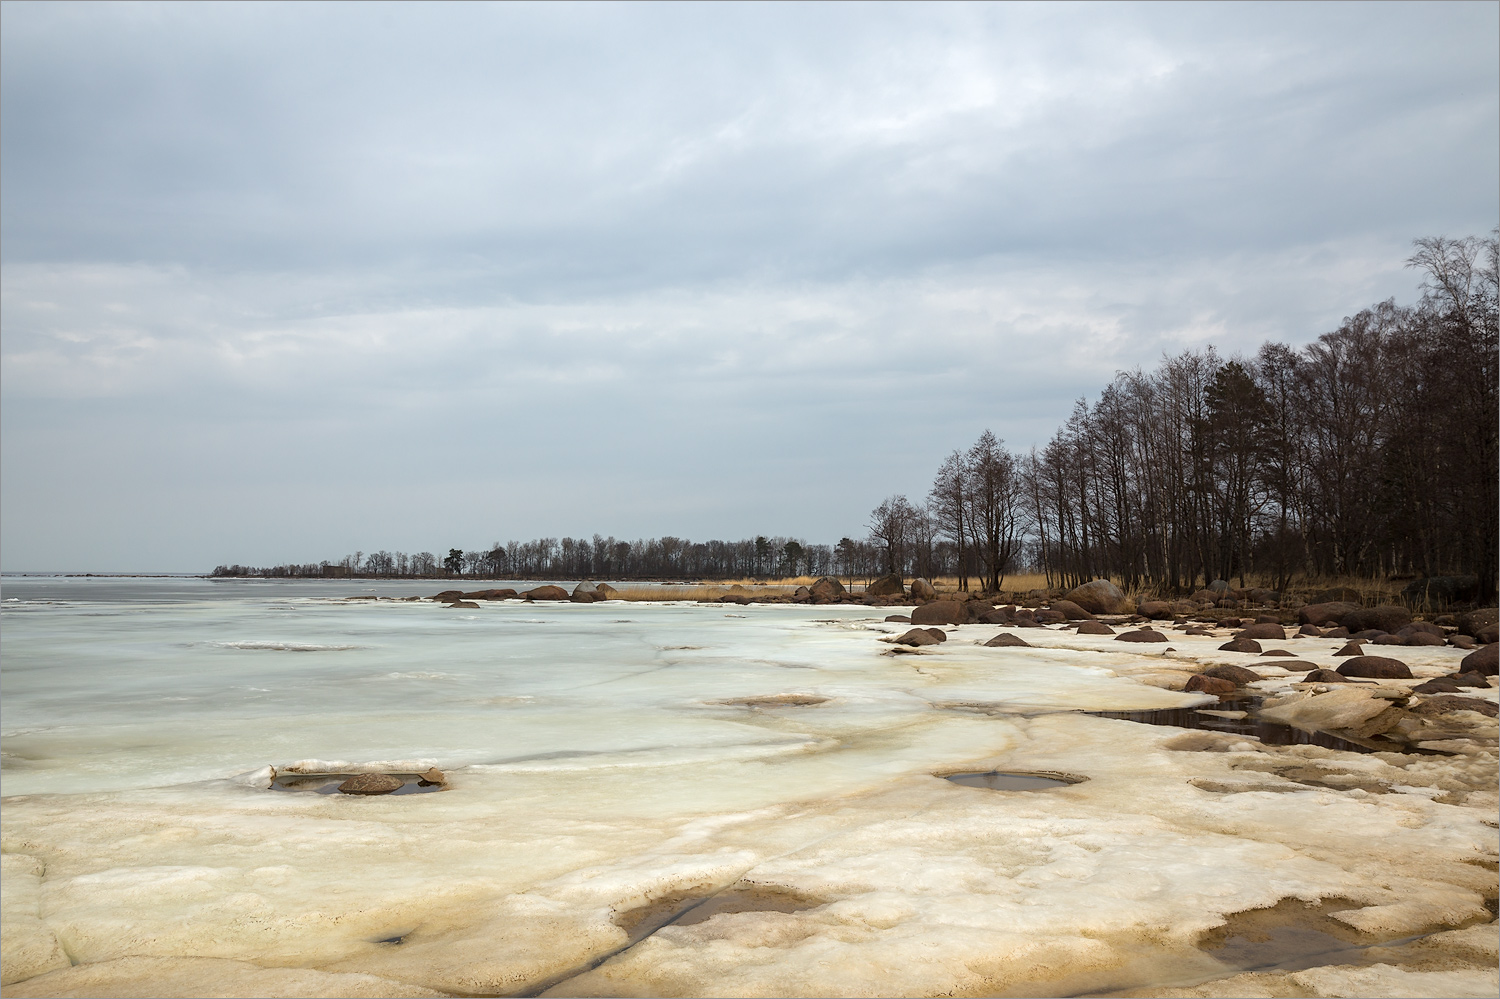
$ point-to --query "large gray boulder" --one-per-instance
(922, 589)
(1100, 597)
(827, 590)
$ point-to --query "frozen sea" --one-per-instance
(613, 765)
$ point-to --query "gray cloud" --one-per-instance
(706, 270)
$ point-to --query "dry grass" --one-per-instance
(685, 592)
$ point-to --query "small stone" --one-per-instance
(370, 784)
(1005, 640)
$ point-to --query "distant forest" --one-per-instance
(1373, 451)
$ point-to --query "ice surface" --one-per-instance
(603, 764)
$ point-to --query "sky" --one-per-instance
(280, 282)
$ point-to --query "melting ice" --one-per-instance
(612, 760)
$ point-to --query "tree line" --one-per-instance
(1372, 451)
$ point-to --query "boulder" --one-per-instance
(1387, 617)
(1438, 686)
(1237, 675)
(1376, 668)
(886, 586)
(1143, 635)
(1100, 597)
(489, 594)
(1277, 652)
(1241, 645)
(370, 784)
(1209, 684)
(1385, 639)
(1321, 675)
(587, 588)
(449, 595)
(1339, 632)
(1310, 631)
(464, 604)
(1346, 707)
(998, 615)
(1368, 635)
(1071, 611)
(1424, 638)
(1468, 680)
(921, 589)
(586, 597)
(1095, 628)
(1350, 649)
(548, 592)
(1475, 621)
(802, 595)
(1482, 661)
(939, 612)
(1441, 590)
(1004, 640)
(1426, 626)
(1329, 612)
(1270, 598)
(1156, 609)
(921, 636)
(1275, 631)
(1444, 703)
(1461, 642)
(1219, 586)
(827, 590)
(1049, 616)
(1488, 635)
(898, 618)
(605, 591)
(1203, 596)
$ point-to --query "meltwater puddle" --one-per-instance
(999, 780)
(1237, 716)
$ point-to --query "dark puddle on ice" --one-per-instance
(998, 780)
(685, 909)
(1290, 936)
(329, 784)
(1269, 733)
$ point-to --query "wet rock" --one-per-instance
(898, 618)
(1275, 631)
(1071, 611)
(1143, 635)
(1237, 675)
(1351, 649)
(827, 590)
(1240, 645)
(1387, 617)
(1444, 703)
(886, 586)
(548, 592)
(1005, 640)
(939, 612)
(1321, 675)
(922, 636)
(370, 784)
(1094, 628)
(1483, 661)
(1100, 597)
(1330, 612)
(921, 589)
(1209, 684)
(1376, 668)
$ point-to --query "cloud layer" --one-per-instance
(285, 281)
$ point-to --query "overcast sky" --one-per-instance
(281, 282)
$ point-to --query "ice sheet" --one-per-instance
(609, 763)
